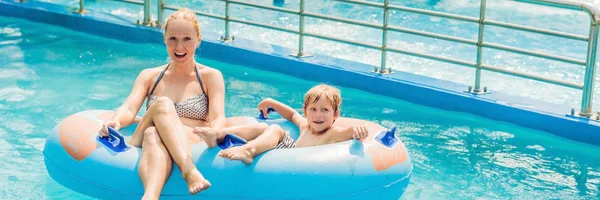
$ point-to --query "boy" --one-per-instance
(321, 108)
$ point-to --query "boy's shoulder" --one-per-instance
(299, 120)
(333, 130)
(303, 127)
(336, 129)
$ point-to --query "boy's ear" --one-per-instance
(337, 114)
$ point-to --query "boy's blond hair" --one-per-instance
(331, 93)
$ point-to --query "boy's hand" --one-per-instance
(263, 106)
(359, 132)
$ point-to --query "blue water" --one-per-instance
(500, 10)
(48, 73)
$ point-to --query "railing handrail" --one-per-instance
(592, 11)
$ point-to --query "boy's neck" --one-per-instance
(319, 132)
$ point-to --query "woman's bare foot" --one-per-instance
(196, 181)
(209, 135)
(241, 153)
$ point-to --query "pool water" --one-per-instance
(48, 73)
(499, 10)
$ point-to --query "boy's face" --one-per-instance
(320, 115)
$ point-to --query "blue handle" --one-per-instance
(231, 140)
(114, 141)
(118, 135)
(261, 116)
(388, 138)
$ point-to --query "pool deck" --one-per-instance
(417, 89)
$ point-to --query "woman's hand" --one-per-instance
(110, 123)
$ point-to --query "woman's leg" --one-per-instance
(163, 116)
(266, 141)
(212, 136)
(155, 164)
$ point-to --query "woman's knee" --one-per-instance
(263, 126)
(163, 105)
(276, 129)
(151, 136)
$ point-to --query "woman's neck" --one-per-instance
(183, 68)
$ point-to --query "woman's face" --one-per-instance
(182, 40)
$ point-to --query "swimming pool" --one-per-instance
(500, 10)
(49, 72)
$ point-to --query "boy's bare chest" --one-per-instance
(307, 139)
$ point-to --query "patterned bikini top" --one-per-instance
(192, 108)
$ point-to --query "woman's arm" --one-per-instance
(215, 87)
(127, 112)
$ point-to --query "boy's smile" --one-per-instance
(319, 122)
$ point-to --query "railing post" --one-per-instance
(590, 72)
(300, 53)
(384, 40)
(227, 37)
(81, 9)
(477, 89)
(301, 30)
(147, 15)
(160, 13)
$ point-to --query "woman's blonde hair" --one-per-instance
(186, 14)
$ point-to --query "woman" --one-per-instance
(165, 132)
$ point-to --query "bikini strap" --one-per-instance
(158, 79)
(199, 79)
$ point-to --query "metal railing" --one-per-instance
(587, 87)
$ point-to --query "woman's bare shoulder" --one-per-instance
(150, 73)
(206, 70)
(210, 74)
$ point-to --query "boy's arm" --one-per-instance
(340, 134)
(284, 110)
